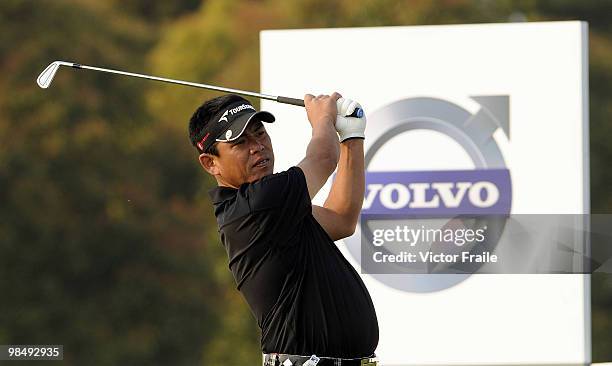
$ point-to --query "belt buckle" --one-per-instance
(368, 362)
(273, 360)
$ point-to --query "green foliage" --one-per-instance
(108, 244)
(101, 250)
(155, 11)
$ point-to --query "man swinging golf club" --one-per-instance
(306, 297)
(309, 302)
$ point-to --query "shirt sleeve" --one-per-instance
(283, 197)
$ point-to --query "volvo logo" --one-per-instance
(404, 193)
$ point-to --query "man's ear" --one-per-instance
(209, 163)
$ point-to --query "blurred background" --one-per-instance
(108, 243)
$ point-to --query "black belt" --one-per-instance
(279, 359)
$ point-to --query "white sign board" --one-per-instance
(523, 87)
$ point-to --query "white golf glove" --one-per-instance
(349, 127)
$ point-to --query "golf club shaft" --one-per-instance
(195, 85)
(46, 77)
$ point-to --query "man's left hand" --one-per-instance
(349, 127)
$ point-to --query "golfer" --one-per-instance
(309, 302)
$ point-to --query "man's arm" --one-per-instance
(323, 150)
(340, 212)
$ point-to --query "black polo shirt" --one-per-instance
(306, 297)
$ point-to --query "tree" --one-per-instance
(99, 249)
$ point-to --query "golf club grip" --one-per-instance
(358, 112)
(287, 100)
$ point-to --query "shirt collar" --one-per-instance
(221, 193)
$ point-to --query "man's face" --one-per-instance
(244, 160)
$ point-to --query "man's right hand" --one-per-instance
(323, 149)
(321, 110)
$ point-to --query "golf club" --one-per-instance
(46, 77)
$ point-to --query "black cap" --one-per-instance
(230, 123)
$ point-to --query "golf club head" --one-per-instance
(46, 77)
